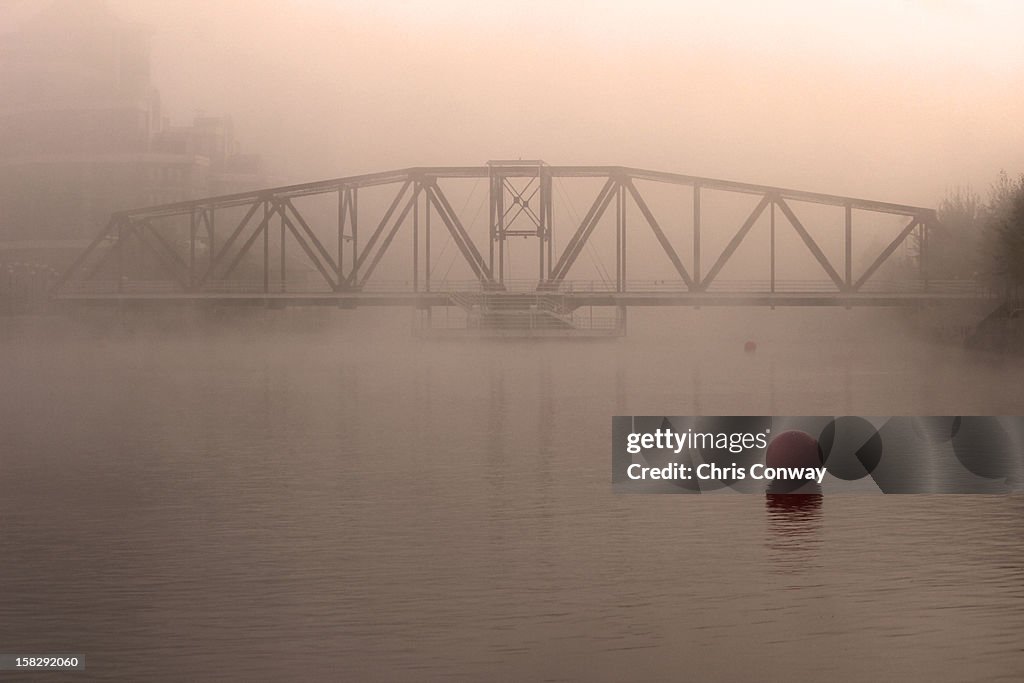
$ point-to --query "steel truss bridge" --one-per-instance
(263, 248)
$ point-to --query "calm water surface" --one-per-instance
(353, 504)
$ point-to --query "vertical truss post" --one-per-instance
(192, 221)
(284, 276)
(696, 232)
(542, 224)
(499, 227)
(353, 208)
(426, 243)
(923, 251)
(549, 220)
(209, 236)
(849, 246)
(120, 256)
(618, 243)
(342, 208)
(771, 249)
(619, 246)
(266, 247)
(621, 222)
(540, 234)
(416, 236)
(492, 200)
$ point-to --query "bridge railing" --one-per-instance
(171, 287)
(159, 288)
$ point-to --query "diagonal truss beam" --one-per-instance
(391, 235)
(459, 235)
(103, 234)
(579, 239)
(164, 253)
(173, 256)
(217, 258)
(886, 253)
(326, 270)
(659, 233)
(327, 259)
(736, 240)
(819, 255)
(352, 279)
(272, 208)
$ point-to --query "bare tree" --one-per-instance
(954, 243)
(1004, 231)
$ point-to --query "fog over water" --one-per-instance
(352, 503)
(317, 494)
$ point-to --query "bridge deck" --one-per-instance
(570, 294)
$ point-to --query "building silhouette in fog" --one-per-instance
(81, 130)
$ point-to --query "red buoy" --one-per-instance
(793, 449)
(750, 346)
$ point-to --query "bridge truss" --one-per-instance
(199, 246)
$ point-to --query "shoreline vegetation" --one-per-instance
(983, 241)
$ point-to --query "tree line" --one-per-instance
(980, 239)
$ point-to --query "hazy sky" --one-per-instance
(886, 99)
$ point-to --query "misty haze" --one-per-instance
(314, 315)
